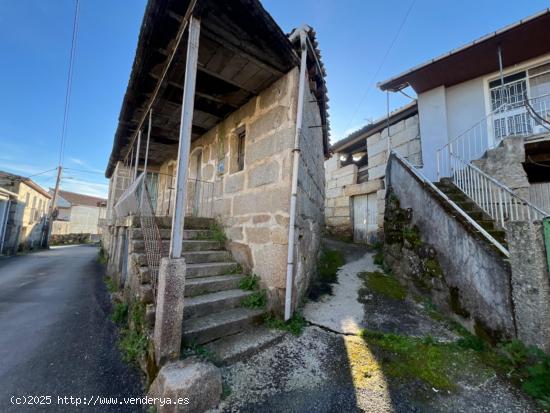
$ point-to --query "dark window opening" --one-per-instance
(240, 150)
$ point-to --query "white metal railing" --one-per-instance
(449, 201)
(199, 198)
(497, 200)
(521, 118)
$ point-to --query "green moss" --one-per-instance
(412, 236)
(454, 302)
(435, 363)
(432, 268)
(383, 284)
(327, 273)
(294, 325)
(102, 256)
(258, 299)
(218, 233)
(379, 258)
(249, 283)
(194, 349)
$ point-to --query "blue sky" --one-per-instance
(354, 35)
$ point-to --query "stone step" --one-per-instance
(202, 330)
(209, 269)
(165, 233)
(197, 257)
(144, 275)
(198, 223)
(201, 245)
(198, 286)
(219, 301)
(243, 345)
(138, 245)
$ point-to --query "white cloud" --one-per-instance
(84, 187)
(78, 161)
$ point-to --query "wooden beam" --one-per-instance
(203, 69)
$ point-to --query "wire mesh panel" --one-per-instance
(152, 240)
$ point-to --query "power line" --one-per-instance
(69, 85)
(372, 81)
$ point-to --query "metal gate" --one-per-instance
(364, 217)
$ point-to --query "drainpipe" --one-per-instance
(294, 193)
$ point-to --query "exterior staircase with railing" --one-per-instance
(213, 310)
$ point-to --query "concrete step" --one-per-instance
(144, 275)
(202, 330)
(198, 286)
(197, 257)
(245, 344)
(197, 234)
(219, 301)
(209, 269)
(202, 245)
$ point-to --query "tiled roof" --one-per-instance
(81, 199)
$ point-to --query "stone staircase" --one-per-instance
(472, 209)
(213, 311)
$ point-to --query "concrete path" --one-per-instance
(329, 368)
(55, 335)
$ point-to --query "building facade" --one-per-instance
(78, 214)
(27, 216)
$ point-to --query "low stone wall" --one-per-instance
(69, 239)
(439, 255)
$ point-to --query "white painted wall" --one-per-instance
(465, 106)
(432, 109)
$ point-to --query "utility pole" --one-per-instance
(52, 205)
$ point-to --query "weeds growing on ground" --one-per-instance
(194, 349)
(120, 313)
(110, 284)
(295, 325)
(258, 299)
(249, 283)
(384, 284)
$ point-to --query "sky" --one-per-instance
(354, 38)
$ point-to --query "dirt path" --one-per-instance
(407, 361)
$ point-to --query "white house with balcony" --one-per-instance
(491, 93)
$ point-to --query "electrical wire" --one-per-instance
(69, 85)
(371, 83)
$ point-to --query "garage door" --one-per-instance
(364, 217)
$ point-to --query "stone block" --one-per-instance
(235, 233)
(334, 192)
(194, 382)
(270, 264)
(242, 254)
(345, 171)
(377, 172)
(259, 219)
(265, 201)
(279, 235)
(234, 182)
(397, 127)
(412, 121)
(263, 174)
(169, 310)
(277, 93)
(222, 207)
(282, 220)
(342, 212)
(271, 145)
(267, 122)
(258, 235)
(342, 201)
(363, 188)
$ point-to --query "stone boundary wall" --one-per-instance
(473, 284)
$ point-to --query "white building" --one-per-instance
(78, 214)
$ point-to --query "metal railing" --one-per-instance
(497, 200)
(524, 118)
(199, 198)
(452, 204)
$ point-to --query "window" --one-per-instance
(240, 150)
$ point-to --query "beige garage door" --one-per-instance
(364, 217)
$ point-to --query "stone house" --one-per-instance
(78, 214)
(354, 204)
(26, 221)
(466, 225)
(6, 199)
(233, 177)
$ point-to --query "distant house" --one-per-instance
(28, 207)
(355, 186)
(6, 200)
(78, 214)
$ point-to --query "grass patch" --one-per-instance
(249, 283)
(435, 363)
(194, 349)
(295, 325)
(383, 284)
(133, 340)
(379, 258)
(102, 256)
(119, 314)
(218, 233)
(110, 284)
(327, 269)
(258, 299)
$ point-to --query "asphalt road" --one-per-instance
(56, 338)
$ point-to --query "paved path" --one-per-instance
(55, 335)
(329, 368)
